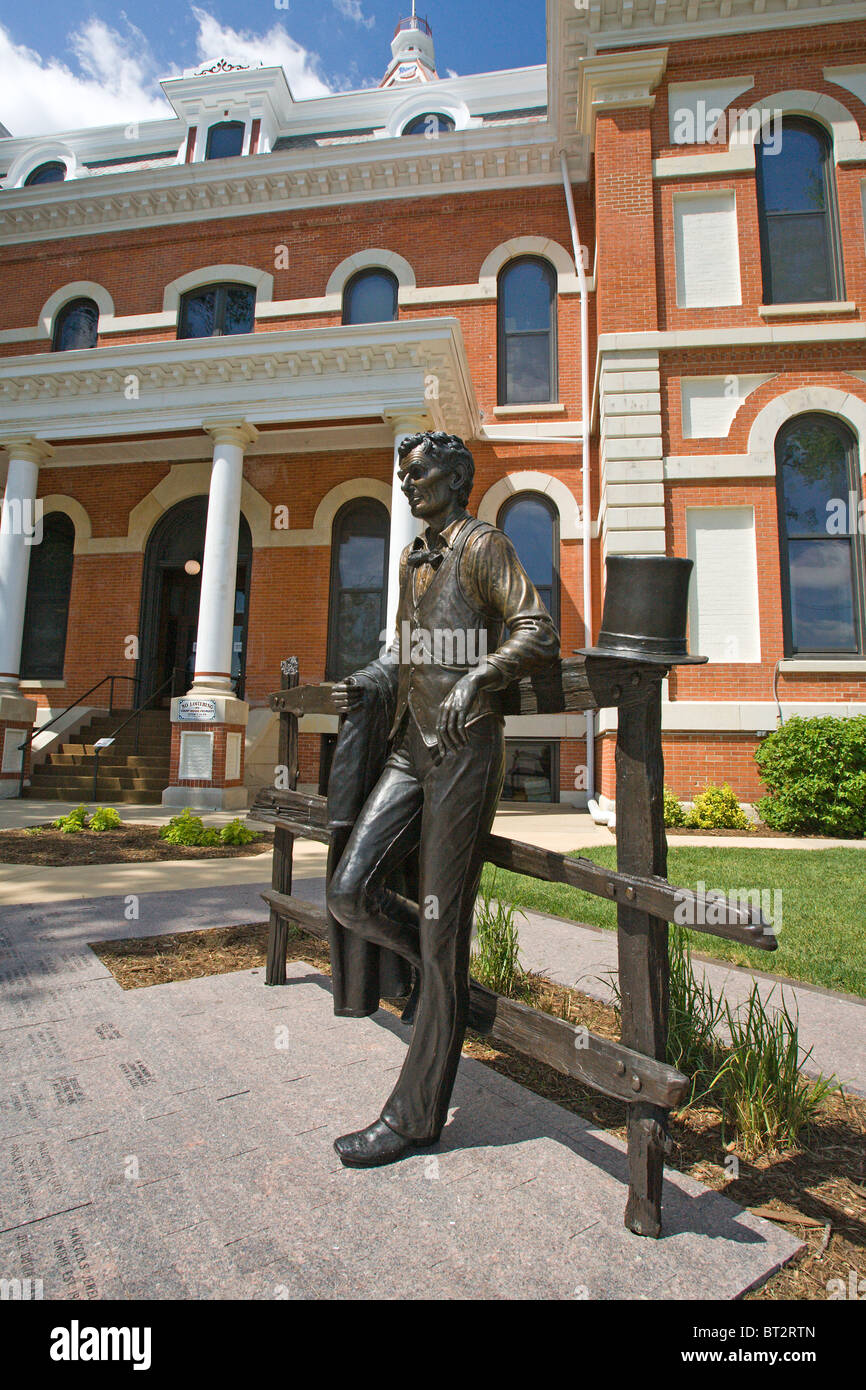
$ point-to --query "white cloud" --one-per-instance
(116, 82)
(351, 9)
(216, 40)
(109, 77)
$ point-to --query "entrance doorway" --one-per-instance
(170, 596)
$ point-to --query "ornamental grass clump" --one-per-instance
(495, 961)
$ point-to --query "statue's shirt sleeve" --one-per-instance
(495, 581)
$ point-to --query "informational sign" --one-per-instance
(103, 743)
(191, 708)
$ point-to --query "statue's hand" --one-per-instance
(347, 694)
(451, 732)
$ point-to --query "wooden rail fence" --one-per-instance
(635, 1069)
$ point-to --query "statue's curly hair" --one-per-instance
(447, 449)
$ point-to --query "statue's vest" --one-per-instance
(442, 635)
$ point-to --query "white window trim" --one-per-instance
(566, 275)
(373, 258)
(75, 289)
(420, 102)
(259, 280)
(554, 489)
(26, 163)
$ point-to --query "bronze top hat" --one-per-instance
(645, 610)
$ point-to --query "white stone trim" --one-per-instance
(764, 336)
(552, 726)
(509, 411)
(768, 422)
(75, 289)
(740, 160)
(735, 716)
(837, 119)
(261, 280)
(182, 481)
(824, 666)
(563, 263)
(337, 497)
(553, 488)
(419, 102)
(711, 467)
(58, 502)
(45, 153)
(372, 258)
(816, 307)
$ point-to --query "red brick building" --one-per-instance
(633, 278)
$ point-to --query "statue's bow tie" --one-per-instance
(426, 557)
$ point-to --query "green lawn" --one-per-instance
(822, 939)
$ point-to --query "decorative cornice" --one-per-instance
(475, 160)
(617, 80)
(280, 377)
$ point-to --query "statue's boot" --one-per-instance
(376, 1145)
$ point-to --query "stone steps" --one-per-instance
(126, 773)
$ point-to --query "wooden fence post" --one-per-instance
(644, 968)
(284, 840)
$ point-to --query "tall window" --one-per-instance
(800, 247)
(527, 332)
(428, 123)
(47, 611)
(370, 296)
(818, 489)
(531, 523)
(225, 140)
(76, 325)
(359, 568)
(52, 172)
(212, 310)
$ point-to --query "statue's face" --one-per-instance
(427, 484)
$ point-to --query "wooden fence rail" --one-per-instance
(635, 1069)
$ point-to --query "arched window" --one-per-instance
(818, 490)
(76, 325)
(370, 296)
(52, 172)
(359, 573)
(428, 123)
(531, 523)
(212, 310)
(225, 140)
(800, 246)
(47, 611)
(527, 332)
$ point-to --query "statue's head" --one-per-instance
(450, 455)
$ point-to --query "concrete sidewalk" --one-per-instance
(176, 1142)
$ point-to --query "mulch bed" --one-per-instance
(43, 846)
(817, 1191)
(756, 832)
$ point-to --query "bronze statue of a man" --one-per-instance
(469, 622)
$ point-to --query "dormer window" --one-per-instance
(54, 171)
(225, 140)
(213, 310)
(430, 123)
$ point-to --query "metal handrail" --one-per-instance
(22, 747)
(136, 714)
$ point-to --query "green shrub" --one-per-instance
(72, 823)
(187, 829)
(236, 833)
(104, 818)
(495, 962)
(674, 812)
(717, 808)
(815, 774)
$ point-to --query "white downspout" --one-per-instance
(586, 497)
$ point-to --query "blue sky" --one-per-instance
(71, 63)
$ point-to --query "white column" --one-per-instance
(17, 536)
(404, 526)
(213, 653)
